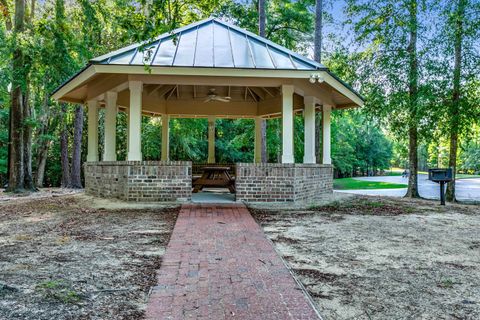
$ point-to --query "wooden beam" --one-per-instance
(252, 94)
(155, 89)
(259, 93)
(104, 84)
(200, 108)
(268, 91)
(210, 81)
(270, 106)
(164, 90)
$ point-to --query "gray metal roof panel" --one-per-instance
(210, 43)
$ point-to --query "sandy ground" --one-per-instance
(68, 257)
(383, 258)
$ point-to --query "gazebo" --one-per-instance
(209, 69)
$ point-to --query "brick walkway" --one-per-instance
(219, 265)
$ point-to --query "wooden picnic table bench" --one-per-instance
(216, 177)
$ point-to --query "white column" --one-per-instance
(135, 121)
(211, 139)
(287, 124)
(258, 140)
(165, 137)
(110, 141)
(92, 155)
(326, 159)
(309, 116)
(127, 113)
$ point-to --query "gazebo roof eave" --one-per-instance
(90, 70)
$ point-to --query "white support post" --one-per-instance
(165, 137)
(258, 140)
(110, 136)
(127, 113)
(326, 159)
(92, 155)
(211, 139)
(287, 124)
(309, 117)
(135, 121)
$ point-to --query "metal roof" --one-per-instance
(210, 43)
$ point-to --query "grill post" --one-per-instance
(442, 193)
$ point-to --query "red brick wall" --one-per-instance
(275, 182)
(143, 181)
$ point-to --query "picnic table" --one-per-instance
(217, 177)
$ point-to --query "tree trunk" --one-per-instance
(261, 32)
(261, 18)
(27, 145)
(43, 144)
(455, 105)
(64, 151)
(41, 163)
(317, 53)
(76, 181)
(412, 191)
(18, 110)
(16, 162)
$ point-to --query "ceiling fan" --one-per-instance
(211, 96)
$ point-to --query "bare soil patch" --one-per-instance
(383, 258)
(62, 258)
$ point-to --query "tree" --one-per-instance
(390, 70)
(460, 112)
(317, 51)
(20, 169)
(412, 190)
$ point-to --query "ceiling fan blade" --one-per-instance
(208, 99)
(222, 99)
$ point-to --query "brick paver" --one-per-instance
(219, 265)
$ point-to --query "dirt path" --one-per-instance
(60, 258)
(373, 258)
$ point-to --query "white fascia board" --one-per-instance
(75, 82)
(219, 72)
(340, 87)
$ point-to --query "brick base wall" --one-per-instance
(143, 181)
(274, 182)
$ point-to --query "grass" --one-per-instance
(466, 176)
(59, 291)
(352, 184)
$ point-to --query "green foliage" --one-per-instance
(58, 291)
(290, 23)
(151, 138)
(358, 145)
(470, 158)
(63, 36)
(234, 140)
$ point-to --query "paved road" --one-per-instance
(467, 189)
